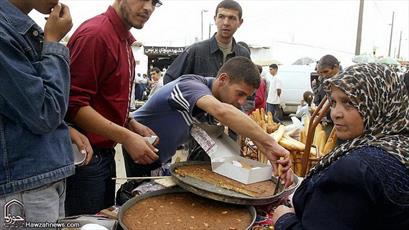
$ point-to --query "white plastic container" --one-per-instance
(79, 157)
(226, 160)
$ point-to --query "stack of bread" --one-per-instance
(320, 141)
(321, 145)
(265, 121)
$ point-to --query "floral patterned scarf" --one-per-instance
(380, 95)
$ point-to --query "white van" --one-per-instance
(295, 81)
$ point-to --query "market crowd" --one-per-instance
(53, 96)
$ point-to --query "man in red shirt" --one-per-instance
(261, 95)
(102, 72)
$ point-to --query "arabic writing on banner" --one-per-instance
(163, 50)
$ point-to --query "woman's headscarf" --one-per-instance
(380, 95)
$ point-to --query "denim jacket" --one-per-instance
(203, 58)
(35, 147)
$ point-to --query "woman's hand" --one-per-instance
(280, 211)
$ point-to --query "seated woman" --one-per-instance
(364, 182)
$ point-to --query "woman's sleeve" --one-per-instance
(342, 198)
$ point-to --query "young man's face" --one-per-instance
(155, 76)
(136, 13)
(227, 22)
(235, 93)
(44, 6)
(273, 71)
(328, 72)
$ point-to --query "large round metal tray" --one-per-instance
(215, 192)
(136, 199)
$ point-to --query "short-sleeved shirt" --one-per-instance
(172, 111)
(274, 84)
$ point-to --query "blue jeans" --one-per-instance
(139, 89)
(275, 111)
(92, 189)
(43, 204)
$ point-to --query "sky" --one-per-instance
(292, 28)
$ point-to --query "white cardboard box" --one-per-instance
(226, 167)
(225, 159)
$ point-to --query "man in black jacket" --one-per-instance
(206, 57)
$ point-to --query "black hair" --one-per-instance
(231, 5)
(241, 69)
(260, 68)
(308, 96)
(328, 61)
(155, 69)
(274, 66)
